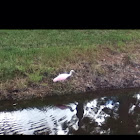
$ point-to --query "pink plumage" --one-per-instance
(62, 77)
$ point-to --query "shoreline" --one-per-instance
(112, 70)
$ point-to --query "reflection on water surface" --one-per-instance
(113, 114)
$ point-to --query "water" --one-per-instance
(110, 112)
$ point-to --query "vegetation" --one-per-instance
(29, 56)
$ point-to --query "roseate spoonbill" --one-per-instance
(62, 77)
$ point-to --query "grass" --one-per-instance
(35, 54)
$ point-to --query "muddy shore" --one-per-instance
(112, 70)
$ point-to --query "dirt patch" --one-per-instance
(111, 70)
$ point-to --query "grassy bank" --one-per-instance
(35, 56)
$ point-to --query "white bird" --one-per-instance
(62, 77)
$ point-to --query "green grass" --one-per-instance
(31, 53)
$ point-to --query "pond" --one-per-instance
(101, 113)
